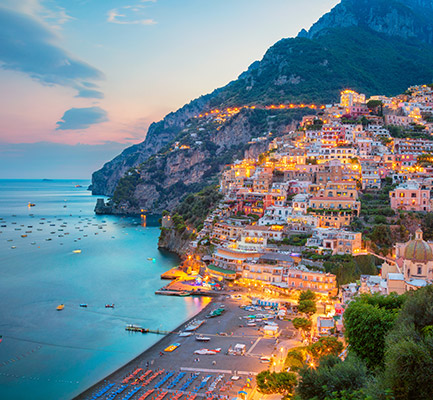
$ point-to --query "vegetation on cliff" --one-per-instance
(195, 207)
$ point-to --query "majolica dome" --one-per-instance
(418, 250)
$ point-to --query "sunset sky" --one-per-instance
(82, 79)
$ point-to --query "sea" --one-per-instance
(59, 252)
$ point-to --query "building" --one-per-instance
(349, 98)
(410, 196)
(413, 267)
(302, 278)
(336, 241)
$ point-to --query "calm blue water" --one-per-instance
(48, 354)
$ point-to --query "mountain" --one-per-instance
(372, 46)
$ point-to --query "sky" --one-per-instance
(80, 80)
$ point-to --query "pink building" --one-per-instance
(410, 196)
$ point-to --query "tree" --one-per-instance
(307, 295)
(409, 349)
(276, 382)
(295, 359)
(303, 325)
(376, 106)
(328, 345)
(367, 321)
(307, 307)
(332, 379)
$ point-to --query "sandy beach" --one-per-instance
(210, 375)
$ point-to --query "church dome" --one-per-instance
(418, 250)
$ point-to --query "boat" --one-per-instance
(172, 347)
(78, 186)
(136, 328)
(150, 258)
(109, 306)
(13, 247)
(194, 325)
(202, 338)
(215, 313)
(78, 251)
(83, 305)
(210, 352)
(32, 204)
(60, 307)
(185, 334)
(23, 236)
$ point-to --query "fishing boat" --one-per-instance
(60, 307)
(78, 251)
(83, 305)
(109, 306)
(202, 338)
(194, 325)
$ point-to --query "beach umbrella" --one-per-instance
(242, 392)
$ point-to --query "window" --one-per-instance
(419, 270)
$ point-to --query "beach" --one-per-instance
(224, 332)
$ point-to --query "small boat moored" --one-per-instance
(76, 251)
(60, 307)
(109, 306)
(83, 305)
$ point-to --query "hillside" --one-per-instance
(372, 46)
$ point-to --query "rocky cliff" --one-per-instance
(172, 240)
(104, 181)
(198, 154)
(373, 46)
(406, 19)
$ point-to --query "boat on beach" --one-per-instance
(185, 334)
(194, 325)
(201, 338)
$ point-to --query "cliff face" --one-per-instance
(104, 181)
(406, 19)
(372, 46)
(189, 164)
(172, 240)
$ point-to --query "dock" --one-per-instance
(135, 328)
